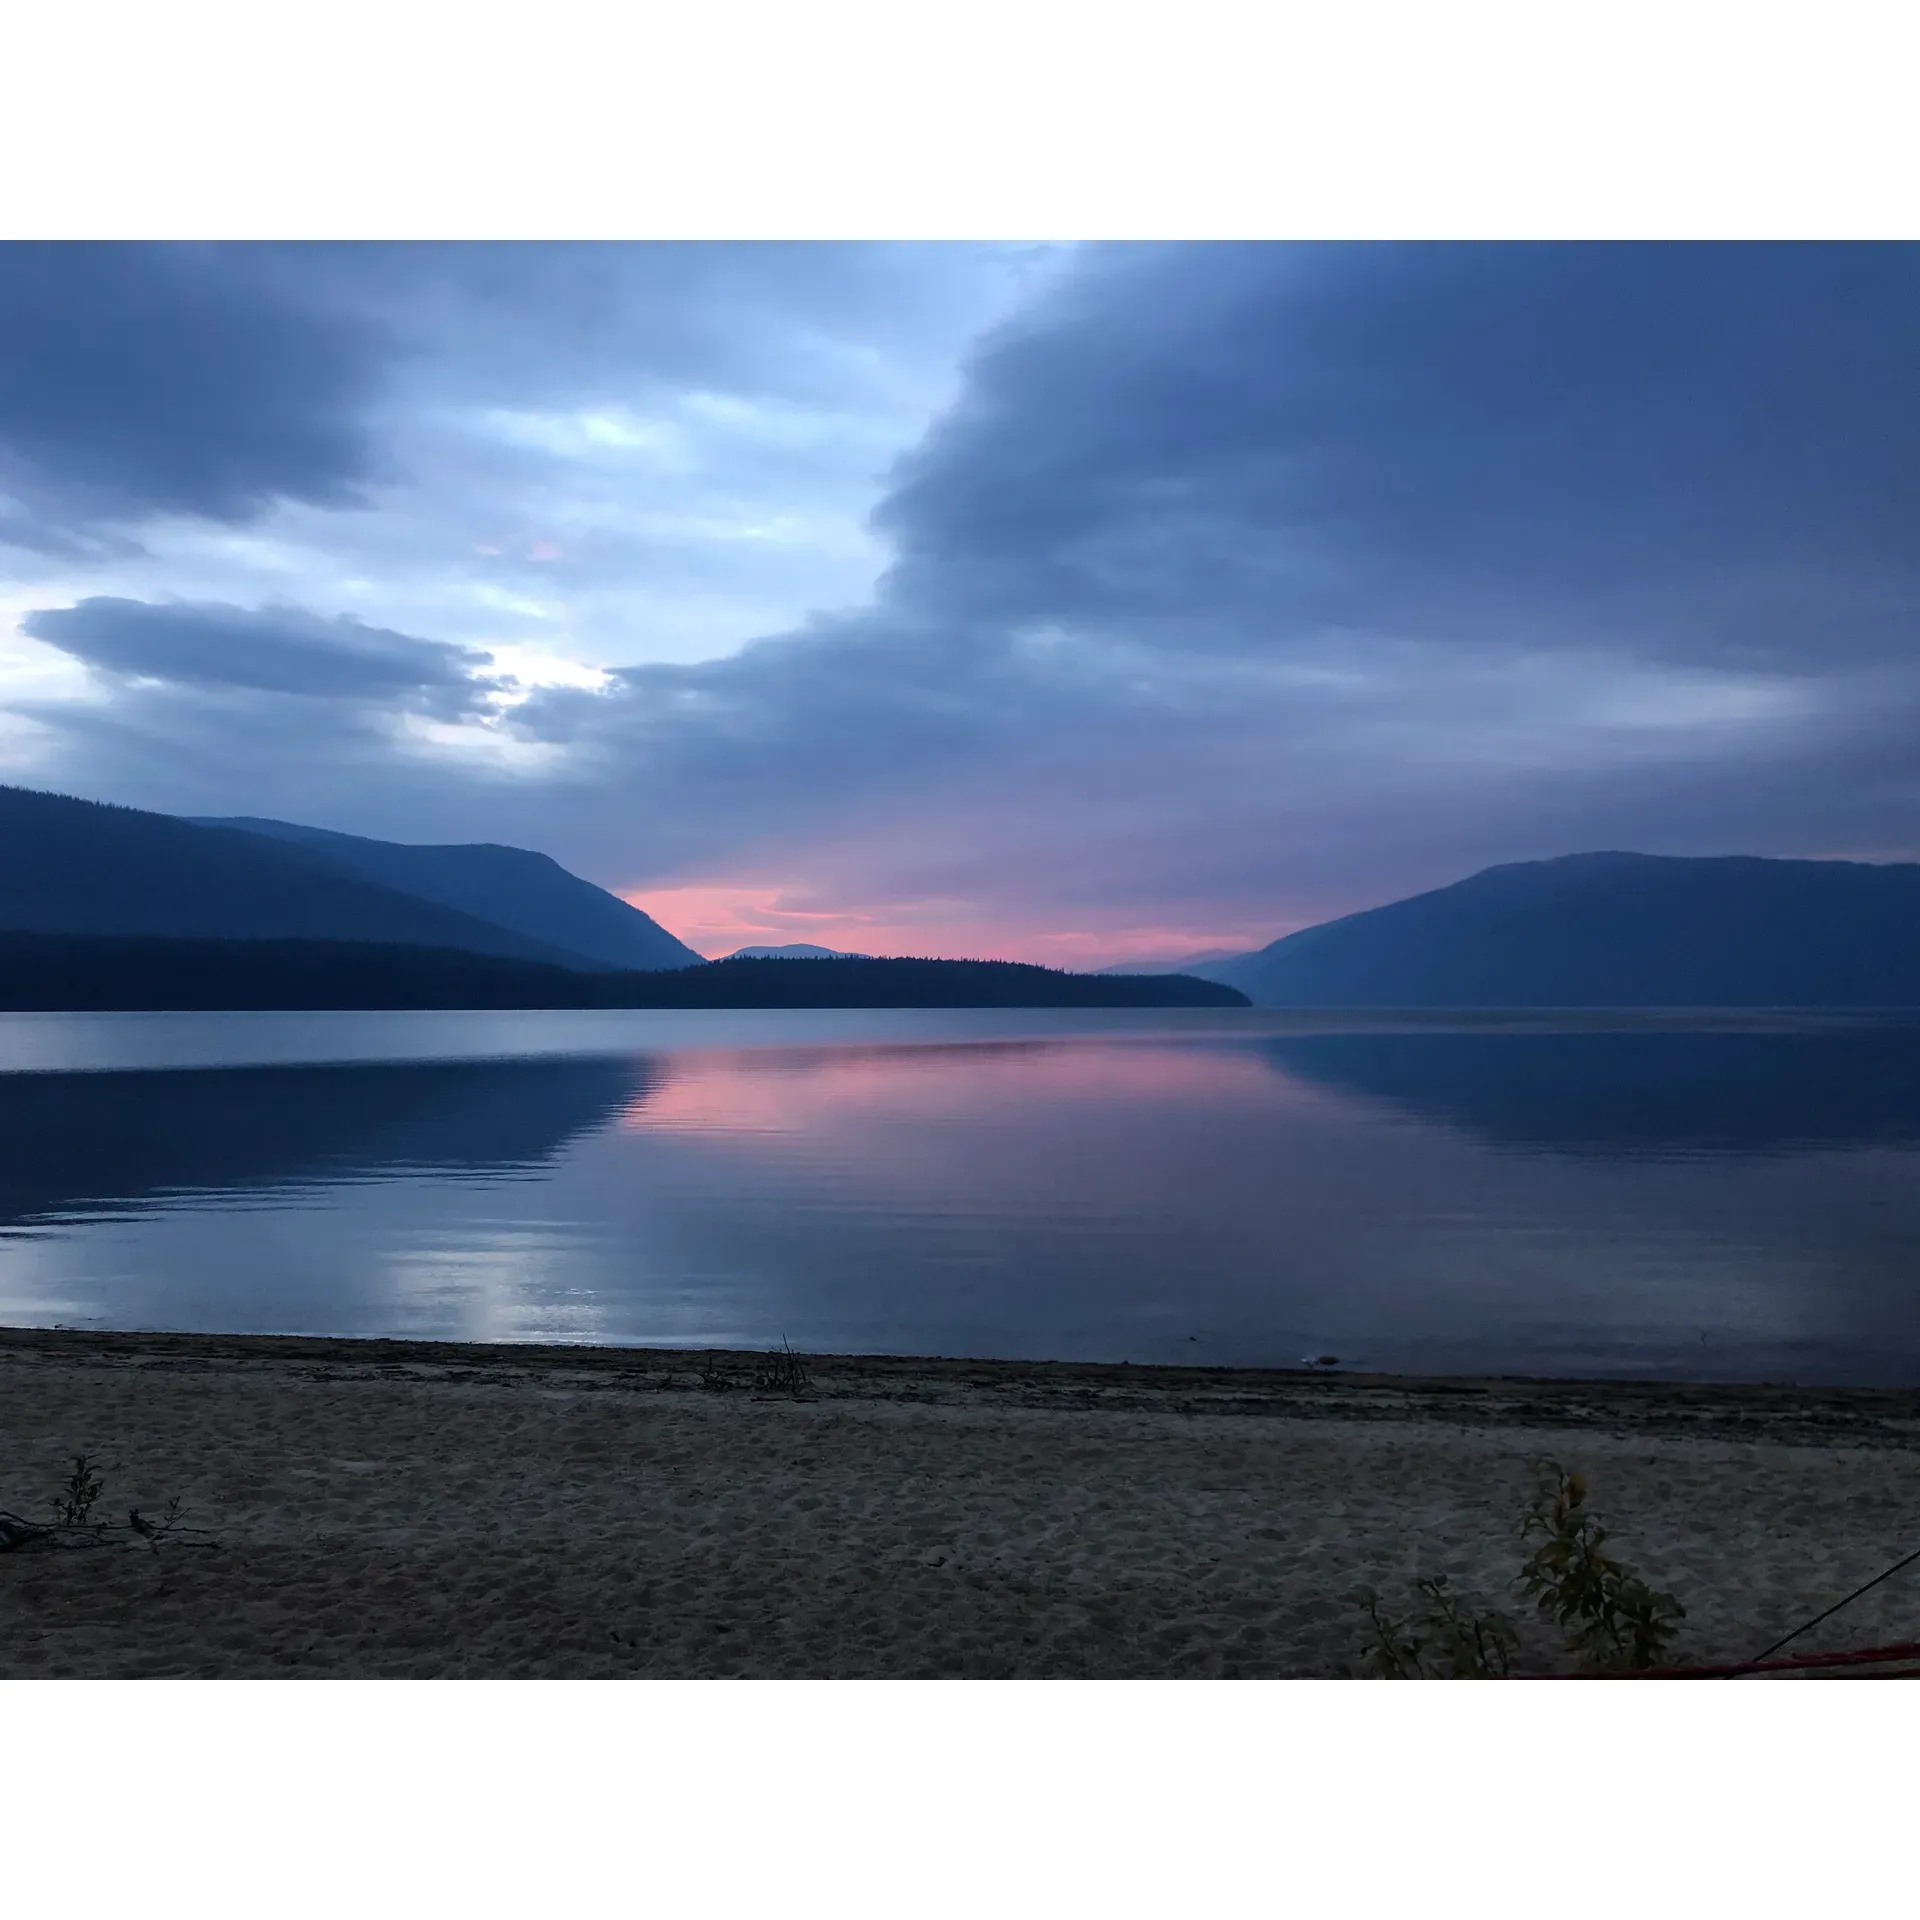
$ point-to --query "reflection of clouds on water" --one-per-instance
(504, 1282)
(38, 1286)
(952, 1195)
(1129, 1198)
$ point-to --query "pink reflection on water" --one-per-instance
(796, 1091)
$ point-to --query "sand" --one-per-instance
(389, 1508)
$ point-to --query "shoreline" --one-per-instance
(187, 1040)
(424, 1508)
(1870, 1415)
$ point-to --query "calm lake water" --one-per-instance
(1635, 1197)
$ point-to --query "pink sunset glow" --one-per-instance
(757, 1096)
(716, 919)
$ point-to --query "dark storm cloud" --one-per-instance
(266, 650)
(1710, 452)
(578, 323)
(154, 379)
(215, 380)
(1286, 539)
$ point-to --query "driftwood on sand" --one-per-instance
(73, 1526)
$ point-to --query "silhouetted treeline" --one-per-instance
(65, 973)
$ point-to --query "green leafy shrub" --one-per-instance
(1610, 1618)
(1446, 1638)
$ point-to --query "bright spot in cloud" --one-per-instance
(536, 667)
(574, 436)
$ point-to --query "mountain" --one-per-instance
(1187, 963)
(799, 951)
(527, 893)
(1614, 929)
(62, 973)
(75, 867)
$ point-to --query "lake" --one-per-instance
(1650, 1196)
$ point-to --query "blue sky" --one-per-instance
(1067, 603)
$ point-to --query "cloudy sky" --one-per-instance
(1071, 604)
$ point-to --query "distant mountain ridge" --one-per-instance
(77, 867)
(1585, 930)
(799, 950)
(527, 893)
(1192, 963)
(1614, 929)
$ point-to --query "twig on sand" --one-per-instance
(26, 1536)
(73, 1526)
(783, 1372)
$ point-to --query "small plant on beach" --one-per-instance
(1611, 1618)
(1467, 1643)
(715, 1378)
(75, 1501)
(170, 1522)
(782, 1372)
(73, 1524)
(1392, 1651)
(1446, 1638)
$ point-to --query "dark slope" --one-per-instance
(39, 973)
(1618, 930)
(1203, 965)
(526, 892)
(74, 867)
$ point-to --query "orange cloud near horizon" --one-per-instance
(717, 919)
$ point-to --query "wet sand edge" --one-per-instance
(1778, 1413)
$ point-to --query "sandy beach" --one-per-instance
(388, 1508)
